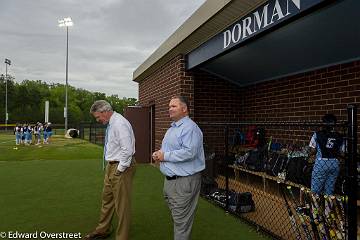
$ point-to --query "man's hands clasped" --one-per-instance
(158, 156)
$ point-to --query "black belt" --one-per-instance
(173, 177)
(113, 162)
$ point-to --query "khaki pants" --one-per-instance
(116, 197)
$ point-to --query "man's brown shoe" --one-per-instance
(97, 235)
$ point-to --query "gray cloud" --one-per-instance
(109, 39)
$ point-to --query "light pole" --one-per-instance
(7, 62)
(66, 22)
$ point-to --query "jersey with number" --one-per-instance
(330, 143)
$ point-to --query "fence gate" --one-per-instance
(139, 117)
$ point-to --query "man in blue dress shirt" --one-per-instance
(181, 159)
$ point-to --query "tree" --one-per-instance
(26, 101)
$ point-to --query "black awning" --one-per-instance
(324, 37)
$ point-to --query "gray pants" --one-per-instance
(182, 196)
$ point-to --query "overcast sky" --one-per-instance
(109, 39)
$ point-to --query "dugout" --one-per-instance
(254, 61)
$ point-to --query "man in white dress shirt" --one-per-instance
(119, 149)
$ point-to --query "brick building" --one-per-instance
(255, 61)
(298, 63)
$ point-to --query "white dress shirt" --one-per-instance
(119, 141)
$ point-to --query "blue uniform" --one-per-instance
(326, 168)
(18, 135)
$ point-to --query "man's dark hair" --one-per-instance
(329, 119)
(183, 100)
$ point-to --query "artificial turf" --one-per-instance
(57, 187)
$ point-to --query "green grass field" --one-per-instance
(57, 187)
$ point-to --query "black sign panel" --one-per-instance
(264, 17)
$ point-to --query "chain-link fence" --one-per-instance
(293, 180)
(280, 176)
(93, 132)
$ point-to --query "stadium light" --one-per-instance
(66, 22)
(7, 62)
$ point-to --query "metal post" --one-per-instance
(66, 22)
(90, 132)
(226, 133)
(352, 172)
(66, 85)
(6, 97)
(95, 133)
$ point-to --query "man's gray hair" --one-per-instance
(101, 106)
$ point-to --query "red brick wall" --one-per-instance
(302, 97)
(216, 100)
(306, 96)
(159, 87)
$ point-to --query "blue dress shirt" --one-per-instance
(183, 149)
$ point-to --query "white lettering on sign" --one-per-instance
(258, 20)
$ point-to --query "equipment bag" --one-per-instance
(255, 137)
(250, 137)
(256, 160)
(238, 138)
(306, 177)
(275, 146)
(219, 196)
(241, 202)
(295, 169)
(208, 185)
(276, 163)
(245, 203)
